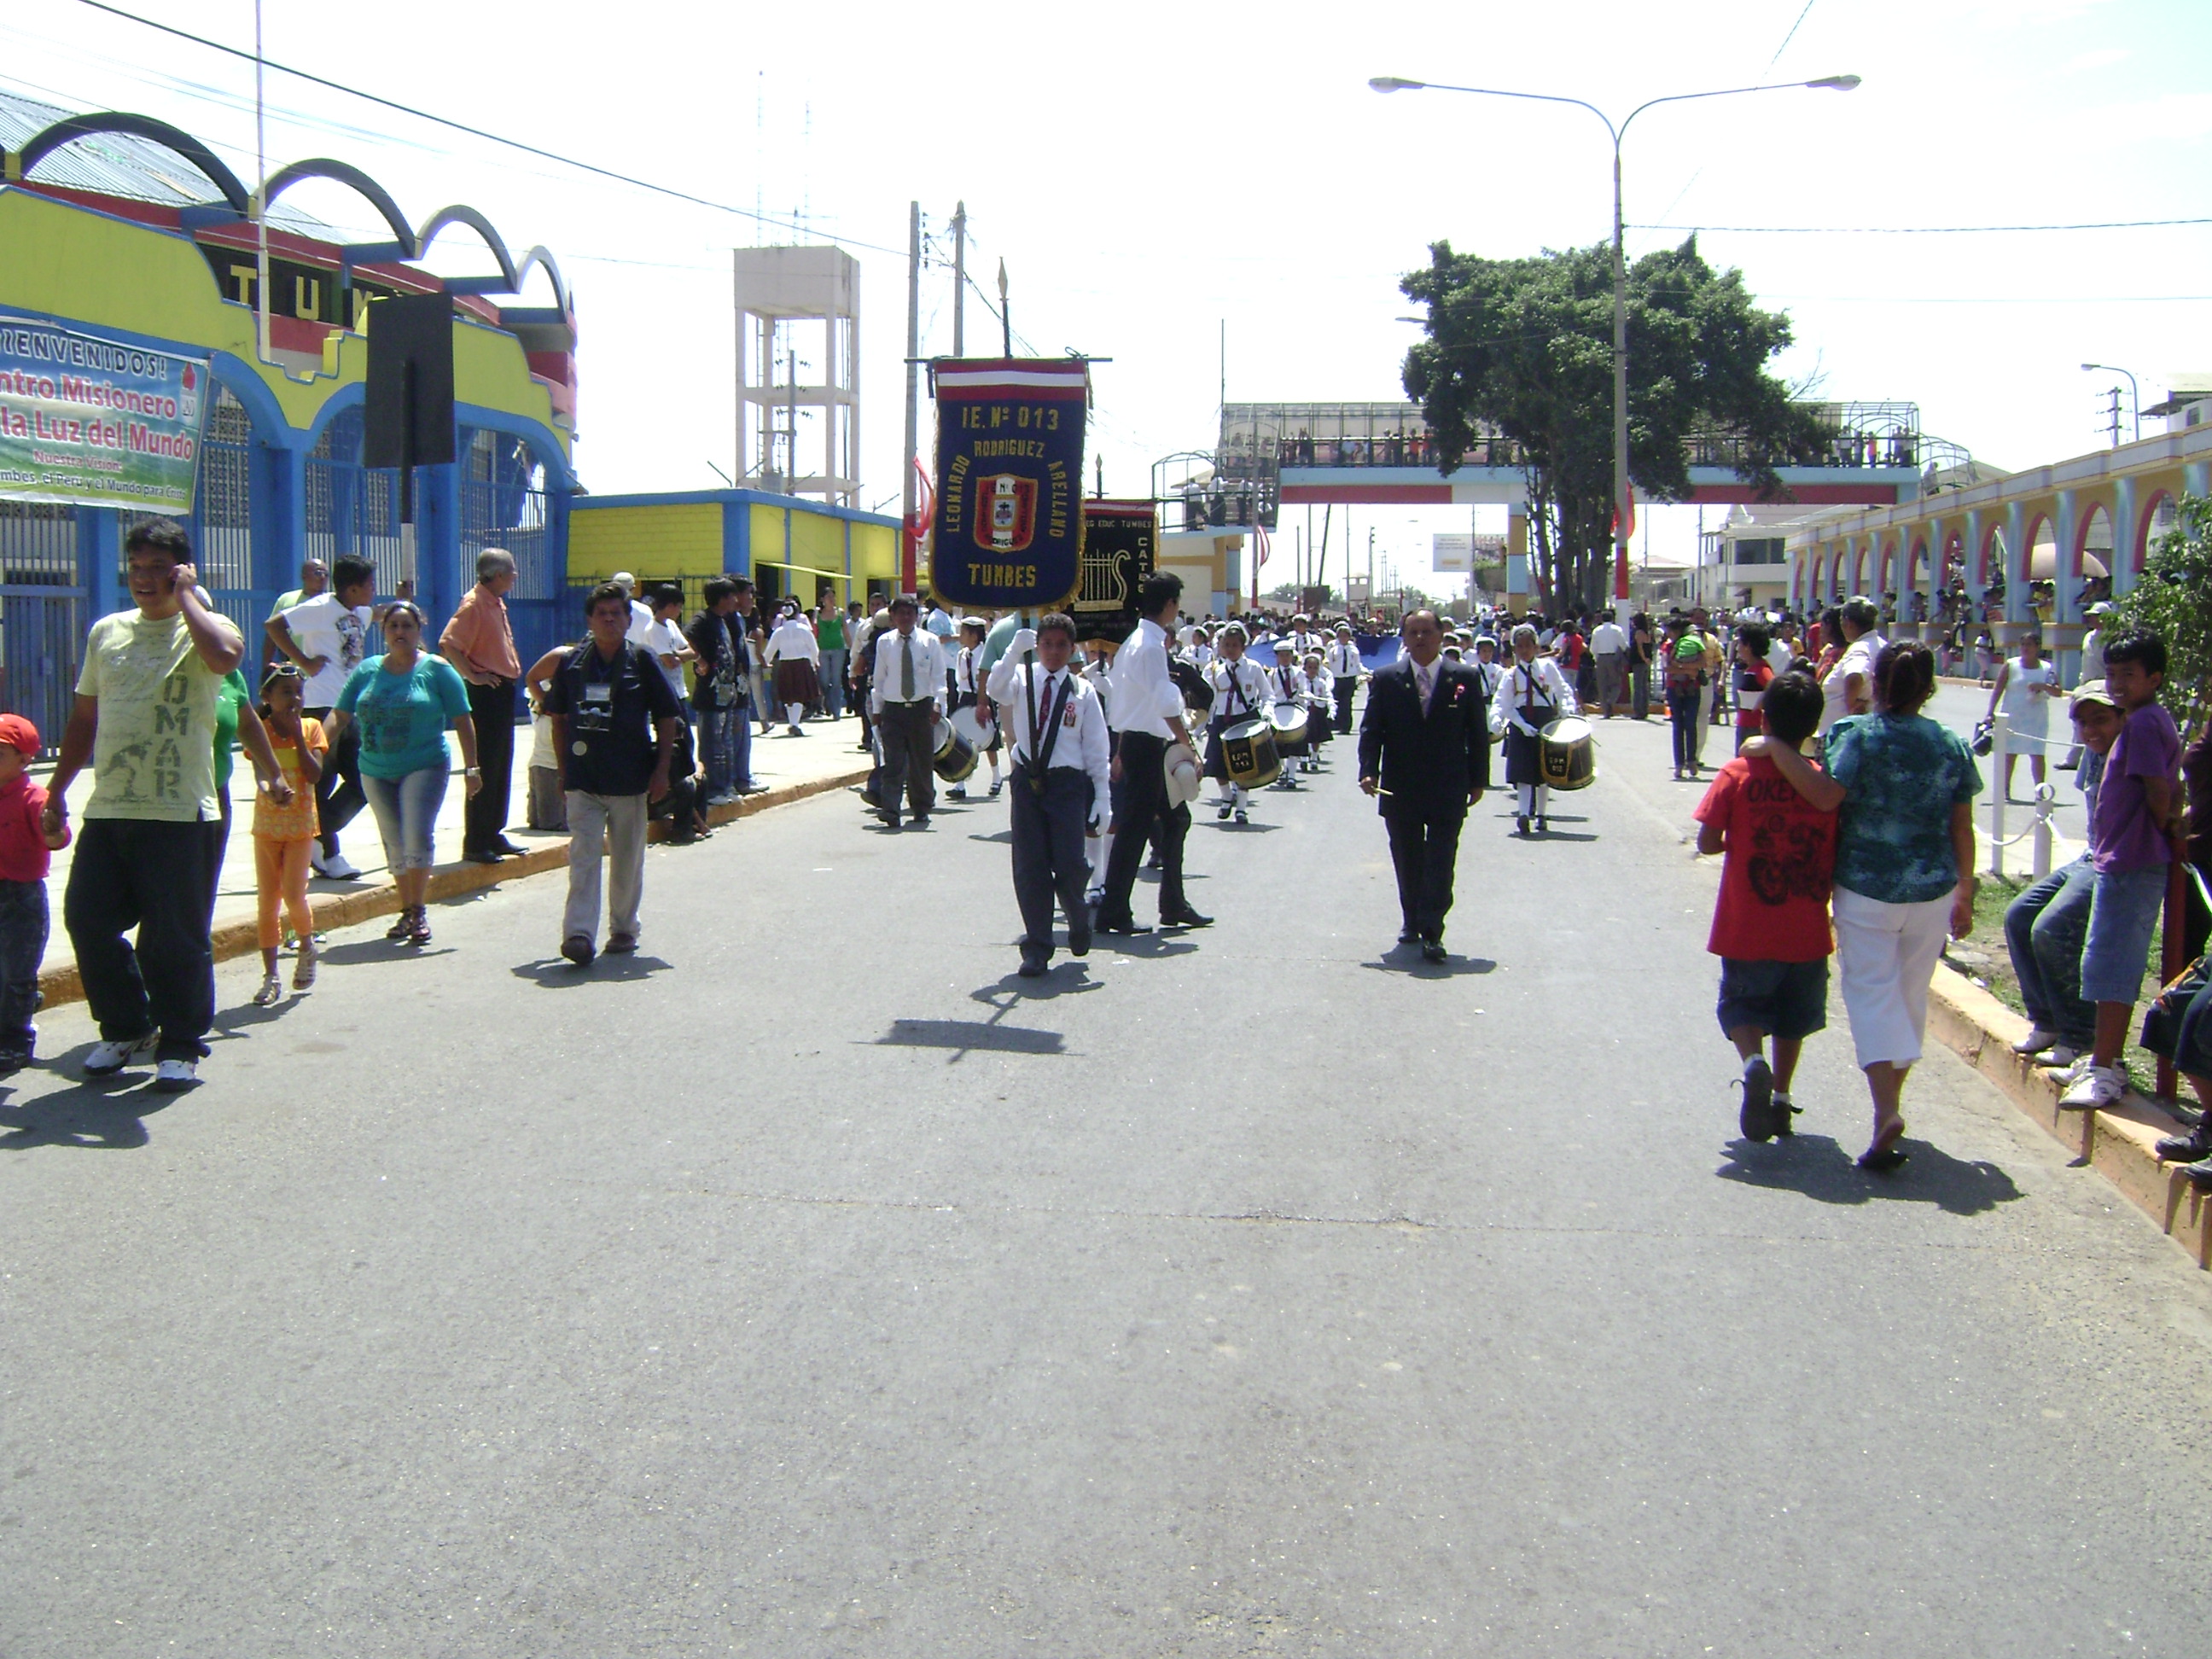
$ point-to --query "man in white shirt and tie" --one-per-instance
(1345, 668)
(1061, 783)
(1146, 712)
(907, 695)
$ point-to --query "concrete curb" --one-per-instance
(240, 937)
(2118, 1143)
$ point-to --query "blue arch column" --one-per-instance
(99, 560)
(438, 588)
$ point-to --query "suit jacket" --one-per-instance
(1427, 760)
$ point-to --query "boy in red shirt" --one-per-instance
(1771, 922)
(25, 854)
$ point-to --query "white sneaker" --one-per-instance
(2035, 1042)
(336, 868)
(2096, 1086)
(2062, 1059)
(108, 1058)
(172, 1076)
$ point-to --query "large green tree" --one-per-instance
(1522, 349)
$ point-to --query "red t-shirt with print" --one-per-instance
(1779, 858)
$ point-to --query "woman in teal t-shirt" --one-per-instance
(403, 702)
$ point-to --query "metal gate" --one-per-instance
(42, 615)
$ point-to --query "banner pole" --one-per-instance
(908, 535)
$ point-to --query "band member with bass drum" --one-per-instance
(1239, 693)
(1534, 693)
(1425, 752)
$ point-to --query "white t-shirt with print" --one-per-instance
(321, 627)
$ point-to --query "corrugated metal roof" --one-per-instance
(121, 164)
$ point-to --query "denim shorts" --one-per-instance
(1786, 999)
(2121, 918)
(406, 809)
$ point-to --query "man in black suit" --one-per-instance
(1425, 750)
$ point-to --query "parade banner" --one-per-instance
(1121, 540)
(95, 422)
(1008, 531)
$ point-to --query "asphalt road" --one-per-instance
(809, 1285)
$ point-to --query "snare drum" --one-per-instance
(1289, 720)
(1566, 754)
(956, 756)
(1248, 754)
(980, 731)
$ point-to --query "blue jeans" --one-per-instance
(2122, 915)
(23, 928)
(833, 680)
(1682, 710)
(2045, 928)
(741, 745)
(719, 731)
(406, 809)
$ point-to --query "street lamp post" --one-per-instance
(1620, 499)
(2135, 394)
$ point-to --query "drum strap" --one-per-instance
(1043, 745)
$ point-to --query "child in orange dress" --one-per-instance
(284, 832)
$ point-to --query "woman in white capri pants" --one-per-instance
(1904, 789)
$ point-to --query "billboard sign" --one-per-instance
(95, 423)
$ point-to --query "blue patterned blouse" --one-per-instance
(1902, 774)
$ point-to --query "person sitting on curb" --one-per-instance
(2044, 927)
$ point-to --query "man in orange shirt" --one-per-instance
(480, 644)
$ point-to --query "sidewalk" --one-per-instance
(826, 758)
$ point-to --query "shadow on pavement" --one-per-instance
(360, 950)
(1005, 836)
(1057, 982)
(1407, 959)
(965, 1035)
(105, 1115)
(558, 973)
(1821, 1168)
(1234, 829)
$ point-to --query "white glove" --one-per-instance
(1025, 640)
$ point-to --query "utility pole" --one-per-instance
(2115, 426)
(960, 279)
(907, 538)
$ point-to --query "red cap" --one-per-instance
(19, 733)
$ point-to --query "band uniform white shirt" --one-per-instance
(1243, 684)
(963, 673)
(1343, 660)
(1143, 698)
(1536, 682)
(887, 682)
(1289, 683)
(794, 638)
(1320, 694)
(1083, 744)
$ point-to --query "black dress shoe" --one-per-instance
(1185, 917)
(1130, 925)
(1078, 945)
(507, 848)
(1408, 936)
(1031, 969)
(481, 855)
(920, 820)
(1432, 950)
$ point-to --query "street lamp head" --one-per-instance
(1394, 83)
(1836, 83)
(2086, 366)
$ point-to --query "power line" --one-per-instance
(1919, 230)
(494, 137)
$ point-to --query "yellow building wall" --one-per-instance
(875, 554)
(87, 267)
(681, 539)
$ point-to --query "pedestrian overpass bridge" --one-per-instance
(1272, 455)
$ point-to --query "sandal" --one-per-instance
(272, 990)
(1885, 1155)
(418, 930)
(400, 929)
(303, 973)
